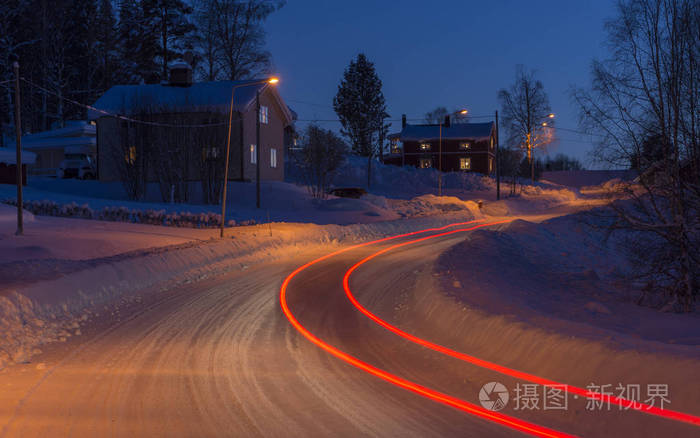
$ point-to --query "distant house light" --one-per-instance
(253, 154)
(425, 147)
(465, 145)
(426, 163)
(465, 163)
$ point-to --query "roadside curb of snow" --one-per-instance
(53, 310)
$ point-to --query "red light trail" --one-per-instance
(635, 405)
(505, 420)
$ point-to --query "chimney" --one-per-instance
(180, 74)
(403, 121)
(447, 121)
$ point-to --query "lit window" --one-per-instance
(491, 142)
(253, 154)
(426, 163)
(273, 157)
(264, 115)
(425, 147)
(490, 164)
(130, 155)
(465, 145)
(465, 163)
(395, 146)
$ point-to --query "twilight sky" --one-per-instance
(439, 53)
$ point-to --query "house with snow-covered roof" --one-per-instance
(50, 146)
(126, 115)
(450, 147)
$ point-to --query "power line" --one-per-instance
(122, 117)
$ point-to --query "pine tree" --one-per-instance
(106, 50)
(361, 107)
(131, 46)
(168, 20)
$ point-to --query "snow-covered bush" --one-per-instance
(122, 214)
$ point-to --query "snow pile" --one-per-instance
(561, 275)
(427, 205)
(400, 182)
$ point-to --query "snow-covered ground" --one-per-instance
(64, 271)
(562, 275)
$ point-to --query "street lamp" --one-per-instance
(273, 81)
(530, 145)
(462, 112)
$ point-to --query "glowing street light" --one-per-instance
(530, 146)
(272, 80)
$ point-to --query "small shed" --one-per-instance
(8, 165)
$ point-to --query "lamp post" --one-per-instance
(531, 146)
(460, 112)
(228, 145)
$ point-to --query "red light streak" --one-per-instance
(635, 405)
(448, 400)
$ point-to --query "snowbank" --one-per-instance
(59, 295)
(561, 275)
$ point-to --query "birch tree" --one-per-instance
(644, 104)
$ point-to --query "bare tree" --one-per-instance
(232, 37)
(321, 156)
(644, 105)
(437, 115)
(526, 114)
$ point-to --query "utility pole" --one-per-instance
(440, 161)
(531, 156)
(257, 149)
(498, 162)
(18, 143)
(228, 151)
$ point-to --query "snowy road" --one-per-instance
(219, 358)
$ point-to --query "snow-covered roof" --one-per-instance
(57, 142)
(72, 128)
(74, 133)
(9, 156)
(456, 131)
(201, 96)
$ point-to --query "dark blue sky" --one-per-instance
(430, 53)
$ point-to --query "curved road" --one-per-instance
(219, 358)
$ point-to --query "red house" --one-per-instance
(458, 147)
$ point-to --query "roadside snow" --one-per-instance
(560, 275)
(70, 270)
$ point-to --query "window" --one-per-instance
(465, 145)
(426, 163)
(273, 158)
(210, 153)
(130, 155)
(490, 164)
(395, 146)
(264, 115)
(465, 163)
(425, 147)
(253, 154)
(491, 142)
